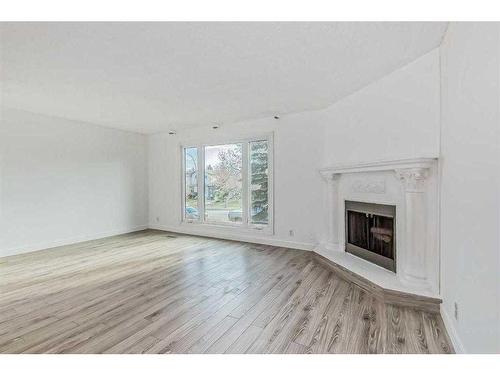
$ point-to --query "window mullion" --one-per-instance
(201, 183)
(183, 187)
(245, 188)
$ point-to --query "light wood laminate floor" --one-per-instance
(154, 292)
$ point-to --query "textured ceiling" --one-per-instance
(151, 77)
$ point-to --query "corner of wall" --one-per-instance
(452, 331)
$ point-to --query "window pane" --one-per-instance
(223, 183)
(191, 183)
(259, 197)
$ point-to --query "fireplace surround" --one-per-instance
(407, 191)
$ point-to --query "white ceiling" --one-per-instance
(151, 77)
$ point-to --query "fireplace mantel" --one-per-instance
(410, 185)
(383, 165)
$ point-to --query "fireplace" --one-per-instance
(408, 256)
(370, 232)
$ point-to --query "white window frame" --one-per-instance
(246, 224)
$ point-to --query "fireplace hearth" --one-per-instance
(370, 232)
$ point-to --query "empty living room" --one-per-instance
(305, 187)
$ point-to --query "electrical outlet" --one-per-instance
(291, 233)
(456, 311)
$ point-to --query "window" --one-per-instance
(224, 183)
(229, 184)
(191, 182)
(259, 180)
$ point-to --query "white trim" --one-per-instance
(67, 241)
(200, 180)
(202, 230)
(382, 165)
(452, 331)
(245, 184)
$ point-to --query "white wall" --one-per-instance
(470, 151)
(63, 182)
(297, 157)
(396, 117)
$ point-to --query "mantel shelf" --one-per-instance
(385, 165)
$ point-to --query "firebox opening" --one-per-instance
(370, 232)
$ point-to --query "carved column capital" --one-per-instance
(330, 177)
(413, 179)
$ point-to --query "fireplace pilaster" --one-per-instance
(414, 261)
(332, 198)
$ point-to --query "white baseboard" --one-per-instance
(236, 237)
(228, 236)
(452, 332)
(66, 241)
